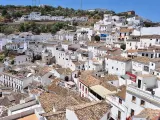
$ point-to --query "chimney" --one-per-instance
(144, 86)
(54, 109)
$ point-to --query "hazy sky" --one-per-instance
(146, 8)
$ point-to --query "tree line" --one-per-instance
(35, 27)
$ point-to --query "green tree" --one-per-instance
(4, 12)
(97, 38)
(12, 62)
(123, 46)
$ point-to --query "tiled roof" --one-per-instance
(146, 75)
(144, 60)
(131, 51)
(60, 115)
(125, 30)
(77, 63)
(59, 102)
(109, 78)
(104, 48)
(114, 51)
(94, 44)
(120, 58)
(150, 36)
(44, 70)
(108, 86)
(122, 93)
(148, 113)
(155, 60)
(158, 70)
(91, 111)
(89, 81)
(64, 71)
(13, 98)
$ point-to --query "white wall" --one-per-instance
(70, 115)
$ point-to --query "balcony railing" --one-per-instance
(144, 94)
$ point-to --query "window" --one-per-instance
(132, 112)
(117, 69)
(147, 55)
(151, 55)
(142, 54)
(153, 73)
(130, 44)
(152, 64)
(83, 88)
(156, 40)
(86, 90)
(159, 55)
(157, 73)
(146, 68)
(150, 39)
(142, 102)
(80, 86)
(119, 115)
(120, 101)
(112, 67)
(133, 99)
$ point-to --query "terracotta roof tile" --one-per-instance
(94, 110)
(144, 60)
(148, 113)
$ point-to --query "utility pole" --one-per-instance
(39, 2)
(34, 2)
(81, 4)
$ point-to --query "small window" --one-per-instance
(130, 44)
(112, 67)
(156, 40)
(132, 112)
(142, 54)
(117, 69)
(152, 64)
(86, 90)
(150, 39)
(119, 115)
(153, 73)
(147, 55)
(133, 99)
(120, 101)
(142, 102)
(157, 73)
(151, 55)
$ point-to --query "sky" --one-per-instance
(149, 9)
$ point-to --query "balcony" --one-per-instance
(145, 94)
(112, 100)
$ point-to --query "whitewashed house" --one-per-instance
(140, 65)
(21, 59)
(118, 65)
(143, 94)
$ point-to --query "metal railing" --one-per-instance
(144, 94)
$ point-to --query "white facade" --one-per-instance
(117, 67)
(22, 59)
(14, 82)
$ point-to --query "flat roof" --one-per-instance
(100, 90)
(29, 117)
